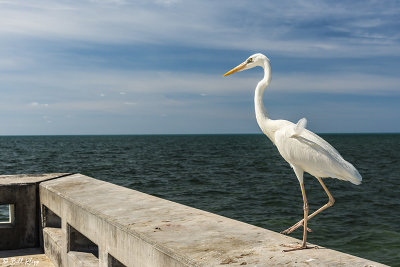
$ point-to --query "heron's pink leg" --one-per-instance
(304, 244)
(324, 207)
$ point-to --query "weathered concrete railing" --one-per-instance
(107, 225)
(88, 222)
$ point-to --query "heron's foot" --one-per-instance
(298, 247)
(294, 227)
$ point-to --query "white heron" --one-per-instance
(301, 148)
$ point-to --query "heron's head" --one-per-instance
(251, 62)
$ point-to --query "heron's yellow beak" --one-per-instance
(236, 69)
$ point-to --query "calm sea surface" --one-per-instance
(238, 176)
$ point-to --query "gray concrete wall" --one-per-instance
(107, 225)
(21, 234)
(22, 191)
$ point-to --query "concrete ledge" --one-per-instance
(21, 179)
(137, 229)
(82, 259)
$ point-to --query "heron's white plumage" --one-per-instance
(302, 149)
(312, 154)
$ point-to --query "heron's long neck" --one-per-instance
(261, 113)
(263, 121)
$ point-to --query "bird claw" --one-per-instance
(294, 227)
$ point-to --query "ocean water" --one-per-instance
(239, 176)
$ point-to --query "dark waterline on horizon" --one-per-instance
(241, 176)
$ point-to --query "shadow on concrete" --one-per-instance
(20, 252)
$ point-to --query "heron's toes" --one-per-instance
(294, 227)
(297, 247)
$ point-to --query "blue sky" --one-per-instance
(155, 67)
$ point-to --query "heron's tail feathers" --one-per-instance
(351, 174)
(356, 178)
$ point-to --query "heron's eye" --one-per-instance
(249, 60)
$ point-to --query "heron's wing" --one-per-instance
(304, 148)
(299, 132)
(316, 141)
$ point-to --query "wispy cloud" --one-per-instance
(101, 91)
(315, 27)
(37, 105)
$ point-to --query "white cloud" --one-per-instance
(46, 119)
(344, 83)
(37, 105)
(71, 84)
(154, 93)
(288, 27)
(167, 2)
